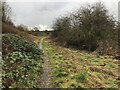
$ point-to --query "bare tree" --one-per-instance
(0, 10)
(6, 11)
(22, 27)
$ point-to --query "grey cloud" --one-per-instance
(35, 13)
(52, 6)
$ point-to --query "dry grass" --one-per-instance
(100, 71)
(10, 29)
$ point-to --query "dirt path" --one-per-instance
(46, 76)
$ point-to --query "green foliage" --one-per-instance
(18, 43)
(81, 77)
(23, 71)
(61, 73)
(22, 65)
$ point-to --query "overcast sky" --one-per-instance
(44, 12)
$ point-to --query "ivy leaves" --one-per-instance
(21, 66)
(18, 43)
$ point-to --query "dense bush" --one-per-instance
(21, 62)
(90, 28)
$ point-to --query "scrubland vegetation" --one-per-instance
(94, 32)
(90, 28)
(83, 51)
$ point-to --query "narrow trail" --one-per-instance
(46, 76)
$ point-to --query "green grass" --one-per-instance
(81, 77)
(80, 69)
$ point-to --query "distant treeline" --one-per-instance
(90, 28)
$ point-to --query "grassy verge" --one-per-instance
(79, 69)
